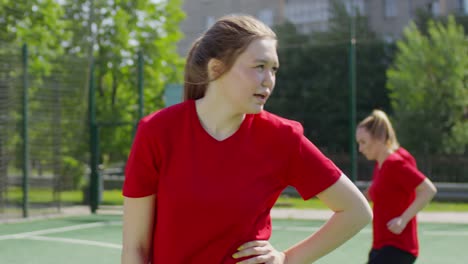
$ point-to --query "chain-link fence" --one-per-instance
(10, 105)
(314, 87)
(43, 132)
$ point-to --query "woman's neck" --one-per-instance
(217, 118)
(383, 155)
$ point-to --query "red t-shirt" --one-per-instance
(392, 192)
(213, 196)
(404, 154)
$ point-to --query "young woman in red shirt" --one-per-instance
(203, 175)
(398, 192)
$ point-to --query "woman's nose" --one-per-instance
(268, 79)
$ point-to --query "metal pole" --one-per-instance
(352, 96)
(94, 177)
(140, 85)
(25, 133)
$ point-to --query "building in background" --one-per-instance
(386, 17)
(201, 14)
(389, 17)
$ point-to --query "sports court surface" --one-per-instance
(96, 239)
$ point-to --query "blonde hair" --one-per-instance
(224, 41)
(379, 127)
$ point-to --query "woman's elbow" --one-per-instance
(360, 212)
(365, 214)
(430, 189)
(433, 192)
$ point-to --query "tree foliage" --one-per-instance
(313, 80)
(112, 33)
(64, 38)
(37, 23)
(428, 88)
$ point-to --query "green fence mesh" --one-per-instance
(56, 128)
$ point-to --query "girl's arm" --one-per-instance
(138, 220)
(352, 213)
(424, 194)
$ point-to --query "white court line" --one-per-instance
(443, 233)
(295, 228)
(75, 241)
(58, 230)
(305, 228)
(368, 230)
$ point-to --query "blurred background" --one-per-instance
(77, 75)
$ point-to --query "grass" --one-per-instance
(45, 195)
(114, 197)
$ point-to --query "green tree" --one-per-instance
(112, 33)
(428, 88)
(313, 80)
(423, 16)
(52, 97)
(38, 24)
(63, 38)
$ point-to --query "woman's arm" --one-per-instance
(138, 220)
(424, 194)
(352, 213)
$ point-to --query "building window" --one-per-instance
(308, 12)
(435, 8)
(390, 8)
(266, 16)
(353, 5)
(464, 6)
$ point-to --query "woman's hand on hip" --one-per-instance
(261, 251)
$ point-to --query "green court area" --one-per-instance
(97, 239)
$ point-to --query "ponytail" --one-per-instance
(195, 73)
(379, 127)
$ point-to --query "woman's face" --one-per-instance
(247, 86)
(368, 146)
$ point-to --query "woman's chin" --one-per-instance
(255, 109)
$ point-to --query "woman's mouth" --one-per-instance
(262, 98)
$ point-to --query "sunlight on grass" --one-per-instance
(112, 197)
(46, 195)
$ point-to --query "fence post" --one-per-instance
(140, 85)
(352, 96)
(93, 143)
(25, 133)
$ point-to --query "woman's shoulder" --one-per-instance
(275, 122)
(406, 155)
(395, 160)
(166, 117)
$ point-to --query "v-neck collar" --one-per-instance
(202, 130)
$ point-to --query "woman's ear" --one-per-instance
(215, 69)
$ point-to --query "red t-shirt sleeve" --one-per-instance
(406, 175)
(310, 172)
(141, 171)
